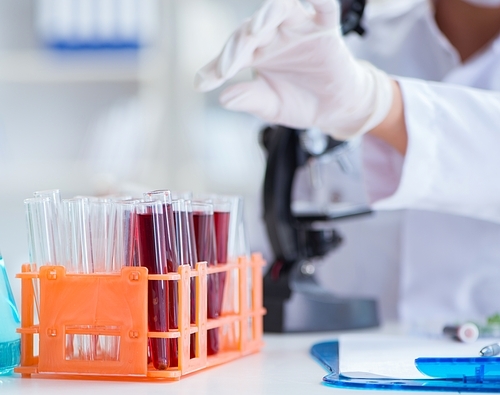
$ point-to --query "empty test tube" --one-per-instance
(76, 213)
(124, 234)
(41, 231)
(101, 213)
(41, 237)
(56, 220)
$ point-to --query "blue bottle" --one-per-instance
(10, 342)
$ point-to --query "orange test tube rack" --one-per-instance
(115, 306)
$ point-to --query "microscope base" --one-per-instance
(310, 312)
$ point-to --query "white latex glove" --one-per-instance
(305, 75)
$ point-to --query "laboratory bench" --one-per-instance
(284, 366)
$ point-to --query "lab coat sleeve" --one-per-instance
(452, 162)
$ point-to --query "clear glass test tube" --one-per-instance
(239, 248)
(186, 253)
(223, 212)
(116, 219)
(41, 231)
(76, 216)
(30, 215)
(231, 231)
(124, 240)
(41, 238)
(204, 230)
(101, 232)
(234, 250)
(238, 243)
(165, 197)
(184, 232)
(71, 215)
(76, 213)
(101, 212)
(181, 195)
(57, 223)
(171, 255)
(54, 195)
(151, 249)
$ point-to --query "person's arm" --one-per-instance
(306, 77)
(392, 129)
(451, 161)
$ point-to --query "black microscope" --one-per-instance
(294, 300)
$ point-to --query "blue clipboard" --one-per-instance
(480, 374)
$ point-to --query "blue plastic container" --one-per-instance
(10, 342)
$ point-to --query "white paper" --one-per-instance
(363, 355)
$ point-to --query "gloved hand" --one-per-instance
(305, 75)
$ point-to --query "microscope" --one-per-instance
(299, 237)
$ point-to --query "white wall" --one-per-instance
(50, 106)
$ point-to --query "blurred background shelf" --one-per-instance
(48, 66)
(44, 66)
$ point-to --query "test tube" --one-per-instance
(186, 253)
(76, 216)
(182, 195)
(204, 230)
(119, 217)
(76, 213)
(41, 231)
(30, 226)
(41, 237)
(239, 247)
(238, 243)
(222, 214)
(124, 234)
(56, 222)
(151, 248)
(71, 215)
(101, 220)
(164, 197)
(223, 211)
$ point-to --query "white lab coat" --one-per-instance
(449, 239)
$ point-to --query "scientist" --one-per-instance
(422, 88)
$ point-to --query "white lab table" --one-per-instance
(284, 366)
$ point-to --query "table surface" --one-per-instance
(284, 366)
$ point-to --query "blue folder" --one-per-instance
(481, 374)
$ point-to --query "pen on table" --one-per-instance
(466, 333)
(490, 350)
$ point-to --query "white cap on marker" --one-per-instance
(466, 333)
